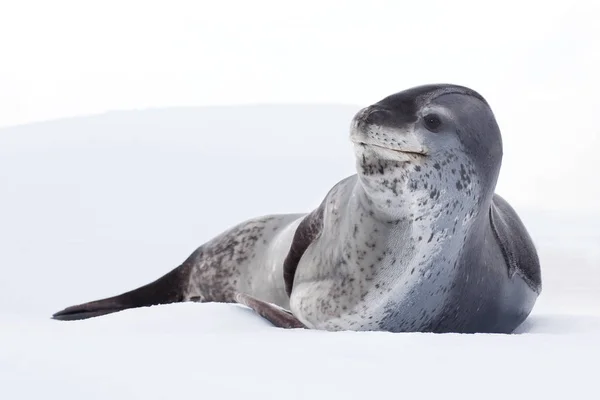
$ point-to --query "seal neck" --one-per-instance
(405, 198)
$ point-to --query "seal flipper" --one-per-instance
(276, 315)
(307, 231)
(170, 288)
(517, 246)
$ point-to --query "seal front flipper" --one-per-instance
(167, 289)
(517, 246)
(308, 230)
(276, 315)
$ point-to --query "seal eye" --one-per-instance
(432, 122)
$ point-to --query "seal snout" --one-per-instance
(374, 128)
(372, 115)
(375, 115)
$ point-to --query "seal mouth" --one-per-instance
(420, 153)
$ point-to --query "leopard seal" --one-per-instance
(415, 241)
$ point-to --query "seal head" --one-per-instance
(438, 130)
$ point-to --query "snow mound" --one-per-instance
(91, 207)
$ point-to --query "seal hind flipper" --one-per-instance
(517, 246)
(278, 316)
(167, 289)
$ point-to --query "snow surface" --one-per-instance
(92, 207)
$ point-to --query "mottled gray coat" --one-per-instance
(416, 240)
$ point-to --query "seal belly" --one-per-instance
(267, 282)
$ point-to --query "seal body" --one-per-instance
(415, 241)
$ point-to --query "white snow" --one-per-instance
(91, 207)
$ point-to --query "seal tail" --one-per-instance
(170, 288)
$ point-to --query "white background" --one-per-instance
(535, 61)
(65, 58)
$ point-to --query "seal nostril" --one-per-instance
(376, 116)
